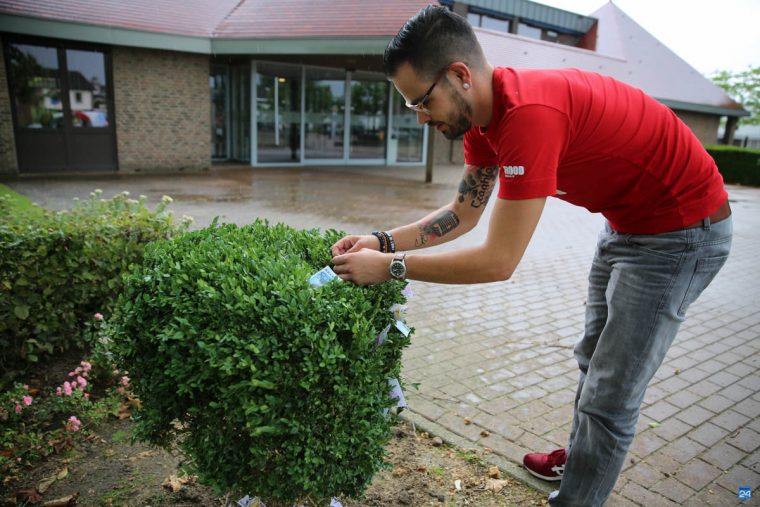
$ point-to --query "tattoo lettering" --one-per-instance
(442, 224)
(478, 185)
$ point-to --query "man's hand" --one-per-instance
(351, 244)
(364, 267)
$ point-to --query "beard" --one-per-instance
(459, 121)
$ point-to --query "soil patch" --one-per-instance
(107, 470)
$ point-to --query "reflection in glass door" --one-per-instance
(278, 113)
(369, 111)
(241, 112)
(325, 113)
(406, 136)
(219, 85)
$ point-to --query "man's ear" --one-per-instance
(462, 72)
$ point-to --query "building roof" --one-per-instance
(361, 27)
(250, 19)
(624, 51)
(266, 19)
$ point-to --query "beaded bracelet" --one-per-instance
(382, 239)
(392, 243)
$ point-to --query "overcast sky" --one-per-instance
(709, 34)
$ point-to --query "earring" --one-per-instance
(466, 86)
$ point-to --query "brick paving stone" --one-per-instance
(704, 388)
(713, 496)
(723, 455)
(694, 415)
(717, 403)
(642, 496)
(456, 424)
(499, 405)
(697, 474)
(646, 443)
(745, 439)
(670, 429)
(675, 490)
(736, 392)
(644, 474)
(740, 369)
(683, 399)
(730, 420)
(740, 476)
(683, 449)
(708, 434)
(660, 410)
(617, 500)
(753, 461)
(693, 375)
(510, 450)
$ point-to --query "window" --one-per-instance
(36, 86)
(528, 31)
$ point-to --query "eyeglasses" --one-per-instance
(420, 105)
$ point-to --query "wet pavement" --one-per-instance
(501, 353)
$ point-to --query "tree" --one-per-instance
(744, 87)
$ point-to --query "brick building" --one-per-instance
(163, 85)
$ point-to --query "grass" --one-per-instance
(19, 203)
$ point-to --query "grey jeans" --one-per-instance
(640, 287)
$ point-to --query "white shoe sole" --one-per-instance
(550, 479)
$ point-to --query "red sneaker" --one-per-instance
(548, 467)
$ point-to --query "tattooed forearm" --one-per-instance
(478, 185)
(443, 223)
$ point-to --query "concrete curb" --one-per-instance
(512, 469)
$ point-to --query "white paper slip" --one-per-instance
(323, 276)
(382, 336)
(407, 291)
(397, 393)
(403, 328)
(335, 503)
(398, 310)
(247, 501)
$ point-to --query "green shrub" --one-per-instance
(272, 386)
(737, 165)
(58, 268)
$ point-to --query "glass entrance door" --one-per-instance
(369, 112)
(219, 83)
(240, 112)
(325, 114)
(407, 137)
(278, 113)
(62, 101)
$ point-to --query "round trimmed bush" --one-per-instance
(272, 386)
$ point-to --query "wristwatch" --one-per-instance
(398, 267)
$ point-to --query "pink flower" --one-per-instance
(125, 381)
(67, 388)
(86, 396)
(58, 392)
(86, 366)
(121, 390)
(98, 316)
(74, 385)
(73, 424)
(27, 400)
(26, 387)
(18, 408)
(82, 382)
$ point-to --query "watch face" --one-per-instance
(398, 270)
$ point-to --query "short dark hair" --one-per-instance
(431, 39)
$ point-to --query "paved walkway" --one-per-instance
(501, 354)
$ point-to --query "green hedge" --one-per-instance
(59, 268)
(737, 165)
(274, 387)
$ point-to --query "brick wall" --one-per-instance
(8, 160)
(704, 126)
(162, 110)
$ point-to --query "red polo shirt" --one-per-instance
(598, 143)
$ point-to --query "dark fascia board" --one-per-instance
(205, 45)
(102, 34)
(703, 108)
(301, 46)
